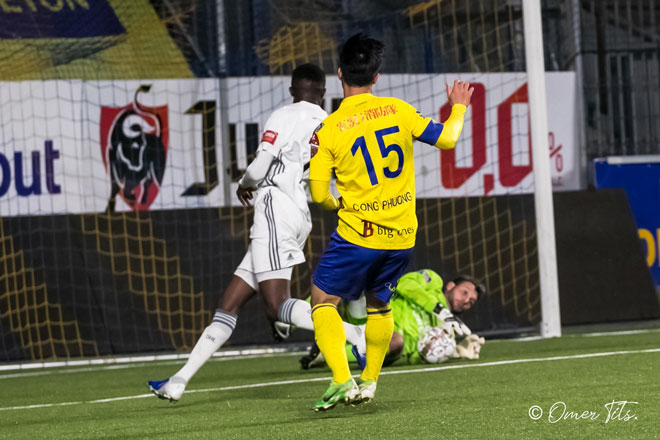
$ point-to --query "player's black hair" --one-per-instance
(480, 288)
(308, 72)
(360, 59)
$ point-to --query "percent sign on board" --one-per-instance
(555, 152)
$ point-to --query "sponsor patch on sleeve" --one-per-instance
(269, 136)
(314, 145)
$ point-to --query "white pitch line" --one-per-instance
(621, 332)
(522, 361)
(577, 335)
(140, 364)
(223, 355)
(325, 378)
(142, 358)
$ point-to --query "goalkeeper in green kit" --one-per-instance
(426, 326)
(425, 323)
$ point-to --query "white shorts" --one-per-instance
(277, 236)
(253, 279)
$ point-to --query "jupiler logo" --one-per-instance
(134, 142)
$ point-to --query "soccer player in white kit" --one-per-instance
(282, 222)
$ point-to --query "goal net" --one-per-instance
(125, 126)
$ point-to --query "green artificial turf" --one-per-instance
(487, 398)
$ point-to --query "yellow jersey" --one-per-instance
(368, 142)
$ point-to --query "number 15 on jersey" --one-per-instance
(385, 150)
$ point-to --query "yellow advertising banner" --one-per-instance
(86, 39)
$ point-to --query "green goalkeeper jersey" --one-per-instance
(417, 294)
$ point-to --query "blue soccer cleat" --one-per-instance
(361, 359)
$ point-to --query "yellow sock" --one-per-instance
(331, 339)
(378, 333)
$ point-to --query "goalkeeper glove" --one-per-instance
(469, 348)
(450, 322)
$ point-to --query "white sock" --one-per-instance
(358, 308)
(355, 335)
(299, 313)
(214, 336)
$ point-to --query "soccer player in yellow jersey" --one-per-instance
(368, 142)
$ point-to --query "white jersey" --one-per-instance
(286, 136)
(282, 220)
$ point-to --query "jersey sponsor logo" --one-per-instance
(368, 230)
(269, 136)
(134, 141)
(384, 232)
(366, 115)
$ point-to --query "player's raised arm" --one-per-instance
(459, 96)
(459, 93)
(445, 135)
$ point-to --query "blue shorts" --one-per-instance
(346, 270)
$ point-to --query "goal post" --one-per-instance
(545, 228)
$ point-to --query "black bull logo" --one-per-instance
(134, 147)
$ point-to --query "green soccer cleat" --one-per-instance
(367, 390)
(347, 392)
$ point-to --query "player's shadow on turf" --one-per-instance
(342, 412)
(307, 413)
